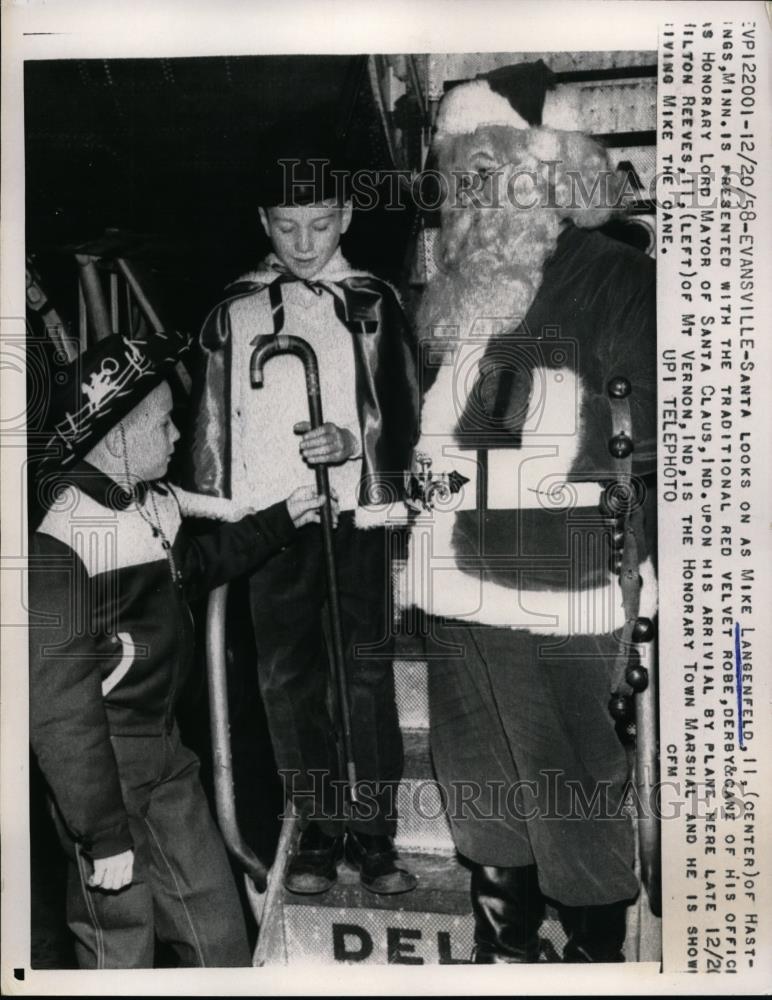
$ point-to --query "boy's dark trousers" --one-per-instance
(182, 890)
(288, 597)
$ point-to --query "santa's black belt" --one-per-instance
(536, 549)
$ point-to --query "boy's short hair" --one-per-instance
(303, 168)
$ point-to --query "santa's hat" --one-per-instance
(514, 96)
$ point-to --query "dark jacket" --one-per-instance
(111, 638)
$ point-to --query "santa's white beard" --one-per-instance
(491, 267)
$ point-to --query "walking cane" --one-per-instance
(267, 348)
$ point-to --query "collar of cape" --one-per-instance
(335, 270)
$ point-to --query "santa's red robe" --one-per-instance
(520, 566)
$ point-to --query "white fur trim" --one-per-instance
(517, 478)
(214, 508)
(471, 105)
(563, 109)
(432, 581)
(387, 516)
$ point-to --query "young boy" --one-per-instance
(111, 569)
(252, 442)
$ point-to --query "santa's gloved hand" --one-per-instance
(326, 445)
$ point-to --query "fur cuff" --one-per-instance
(214, 508)
(388, 515)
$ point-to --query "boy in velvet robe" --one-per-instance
(250, 440)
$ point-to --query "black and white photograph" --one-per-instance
(350, 413)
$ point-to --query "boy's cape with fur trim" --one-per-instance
(386, 381)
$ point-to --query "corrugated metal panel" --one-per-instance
(602, 107)
(466, 65)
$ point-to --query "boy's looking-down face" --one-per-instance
(304, 237)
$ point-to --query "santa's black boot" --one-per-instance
(595, 933)
(508, 911)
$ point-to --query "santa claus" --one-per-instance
(535, 560)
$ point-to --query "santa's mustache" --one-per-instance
(497, 235)
(505, 228)
(490, 264)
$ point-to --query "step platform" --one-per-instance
(432, 925)
(428, 926)
(411, 693)
(422, 823)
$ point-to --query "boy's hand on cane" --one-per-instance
(113, 873)
(303, 506)
(328, 444)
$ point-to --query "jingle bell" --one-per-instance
(620, 446)
(619, 707)
(643, 630)
(618, 387)
(637, 677)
